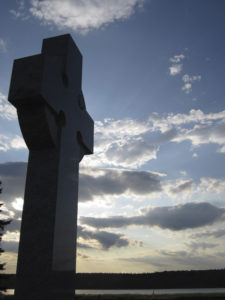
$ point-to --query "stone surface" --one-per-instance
(46, 90)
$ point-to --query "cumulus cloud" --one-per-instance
(197, 127)
(79, 15)
(20, 12)
(215, 185)
(121, 143)
(103, 182)
(177, 58)
(183, 186)
(180, 217)
(176, 66)
(7, 111)
(187, 88)
(131, 153)
(11, 142)
(207, 234)
(93, 183)
(185, 260)
(195, 116)
(3, 47)
(188, 81)
(132, 143)
(104, 238)
(194, 246)
(204, 134)
(175, 69)
(187, 78)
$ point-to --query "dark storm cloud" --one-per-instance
(116, 182)
(106, 239)
(180, 217)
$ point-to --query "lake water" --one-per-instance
(150, 292)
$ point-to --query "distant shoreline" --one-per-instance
(152, 281)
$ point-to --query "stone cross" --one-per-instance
(46, 91)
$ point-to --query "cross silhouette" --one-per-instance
(46, 91)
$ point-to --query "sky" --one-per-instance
(151, 197)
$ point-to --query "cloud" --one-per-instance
(102, 182)
(3, 47)
(195, 116)
(11, 142)
(13, 181)
(177, 58)
(187, 88)
(121, 143)
(10, 246)
(20, 12)
(104, 238)
(203, 134)
(197, 127)
(14, 226)
(7, 111)
(93, 182)
(176, 67)
(213, 185)
(185, 185)
(188, 80)
(133, 153)
(194, 246)
(79, 15)
(132, 143)
(179, 260)
(180, 217)
(207, 234)
(185, 260)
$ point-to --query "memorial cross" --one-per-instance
(58, 131)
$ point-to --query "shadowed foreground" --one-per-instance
(216, 296)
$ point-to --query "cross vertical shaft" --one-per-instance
(46, 90)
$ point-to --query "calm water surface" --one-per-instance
(150, 292)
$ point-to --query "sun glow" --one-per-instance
(18, 204)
